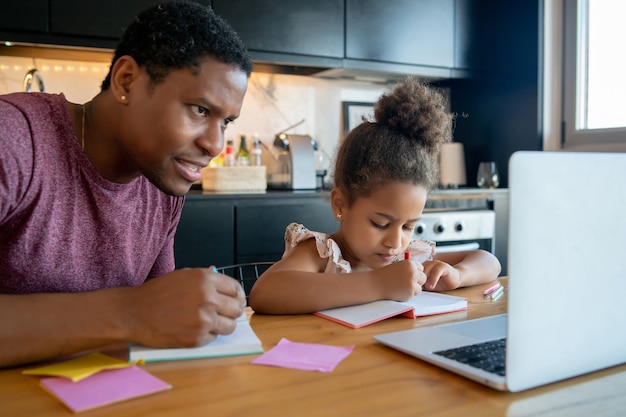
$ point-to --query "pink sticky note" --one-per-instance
(304, 356)
(104, 388)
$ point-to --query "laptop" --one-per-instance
(567, 279)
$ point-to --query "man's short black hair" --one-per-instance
(176, 35)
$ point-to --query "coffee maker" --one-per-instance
(294, 157)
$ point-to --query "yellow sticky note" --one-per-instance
(80, 368)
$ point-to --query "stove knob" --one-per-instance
(420, 228)
(459, 226)
(440, 228)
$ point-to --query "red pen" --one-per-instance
(491, 289)
(407, 256)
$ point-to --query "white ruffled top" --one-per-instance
(420, 250)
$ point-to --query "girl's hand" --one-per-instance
(401, 280)
(441, 276)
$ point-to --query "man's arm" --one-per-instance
(185, 308)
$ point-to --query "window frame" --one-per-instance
(572, 138)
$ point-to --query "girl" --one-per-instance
(383, 172)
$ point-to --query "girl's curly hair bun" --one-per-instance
(416, 111)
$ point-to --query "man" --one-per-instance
(91, 195)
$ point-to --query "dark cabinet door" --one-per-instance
(261, 228)
(295, 27)
(473, 23)
(99, 19)
(226, 232)
(205, 235)
(415, 32)
(24, 15)
(97, 23)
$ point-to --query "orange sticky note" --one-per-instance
(80, 368)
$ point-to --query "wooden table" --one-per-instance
(372, 381)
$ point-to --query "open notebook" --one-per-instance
(243, 341)
(567, 279)
(423, 304)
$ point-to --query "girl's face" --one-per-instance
(376, 230)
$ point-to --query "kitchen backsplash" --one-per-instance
(273, 101)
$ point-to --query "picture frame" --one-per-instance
(354, 112)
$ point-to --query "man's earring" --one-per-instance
(123, 98)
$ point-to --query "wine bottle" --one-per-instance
(243, 156)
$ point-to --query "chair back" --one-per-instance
(245, 273)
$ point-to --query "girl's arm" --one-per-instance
(295, 285)
(460, 269)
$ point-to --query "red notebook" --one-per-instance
(423, 304)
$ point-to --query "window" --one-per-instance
(594, 106)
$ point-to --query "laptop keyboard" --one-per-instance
(488, 356)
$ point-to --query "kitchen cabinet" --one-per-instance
(96, 24)
(224, 229)
(25, 15)
(95, 19)
(330, 37)
(416, 32)
(299, 27)
(261, 226)
(205, 234)
(469, 51)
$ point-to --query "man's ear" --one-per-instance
(123, 76)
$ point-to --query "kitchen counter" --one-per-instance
(223, 228)
(195, 194)
(462, 198)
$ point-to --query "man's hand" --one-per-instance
(187, 307)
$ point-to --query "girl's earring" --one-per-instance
(339, 216)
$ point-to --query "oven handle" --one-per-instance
(457, 247)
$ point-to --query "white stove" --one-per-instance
(458, 230)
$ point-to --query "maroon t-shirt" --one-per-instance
(64, 228)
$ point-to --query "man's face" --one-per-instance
(174, 128)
